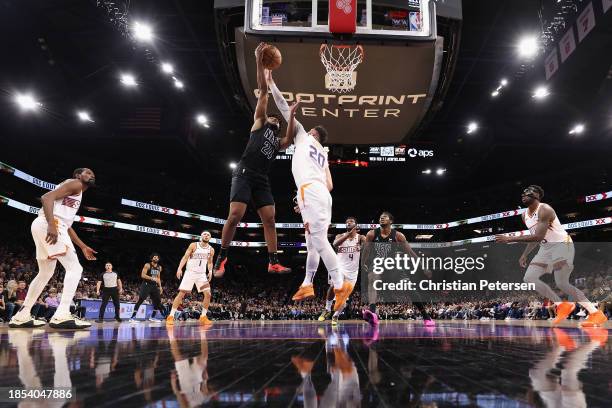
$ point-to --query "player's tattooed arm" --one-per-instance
(145, 273)
(401, 238)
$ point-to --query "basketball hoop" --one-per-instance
(340, 61)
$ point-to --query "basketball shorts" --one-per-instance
(45, 250)
(191, 278)
(552, 252)
(250, 186)
(315, 204)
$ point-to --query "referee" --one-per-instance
(112, 288)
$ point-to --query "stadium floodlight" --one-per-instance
(179, 84)
(495, 93)
(128, 80)
(232, 165)
(540, 92)
(528, 46)
(503, 82)
(84, 116)
(426, 171)
(142, 31)
(167, 67)
(440, 172)
(472, 127)
(27, 102)
(577, 129)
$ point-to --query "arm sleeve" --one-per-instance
(283, 107)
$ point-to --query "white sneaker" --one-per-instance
(581, 313)
(25, 322)
(152, 319)
(68, 322)
(133, 320)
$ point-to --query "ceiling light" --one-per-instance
(540, 92)
(27, 102)
(472, 127)
(503, 82)
(577, 129)
(178, 84)
(440, 172)
(84, 116)
(427, 171)
(528, 47)
(232, 165)
(167, 67)
(142, 31)
(495, 93)
(128, 80)
(201, 119)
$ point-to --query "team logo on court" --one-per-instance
(344, 5)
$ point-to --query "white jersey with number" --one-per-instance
(65, 209)
(348, 257)
(198, 260)
(555, 231)
(309, 161)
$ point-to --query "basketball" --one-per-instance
(272, 57)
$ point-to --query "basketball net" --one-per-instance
(340, 61)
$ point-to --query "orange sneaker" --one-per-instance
(169, 320)
(564, 339)
(302, 364)
(342, 295)
(598, 334)
(219, 268)
(205, 320)
(303, 293)
(278, 268)
(595, 319)
(563, 310)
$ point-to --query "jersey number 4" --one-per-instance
(317, 157)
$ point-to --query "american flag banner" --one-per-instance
(146, 118)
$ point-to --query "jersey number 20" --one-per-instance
(317, 157)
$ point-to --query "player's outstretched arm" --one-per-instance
(287, 140)
(546, 215)
(260, 115)
(281, 103)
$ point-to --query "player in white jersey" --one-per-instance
(556, 254)
(54, 237)
(189, 379)
(199, 259)
(348, 246)
(310, 170)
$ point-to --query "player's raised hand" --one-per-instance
(294, 107)
(259, 50)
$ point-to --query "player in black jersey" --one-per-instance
(382, 237)
(250, 181)
(151, 286)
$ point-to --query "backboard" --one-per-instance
(413, 19)
(372, 86)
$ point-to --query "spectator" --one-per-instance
(10, 297)
(21, 292)
(52, 302)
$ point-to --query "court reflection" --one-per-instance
(305, 364)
